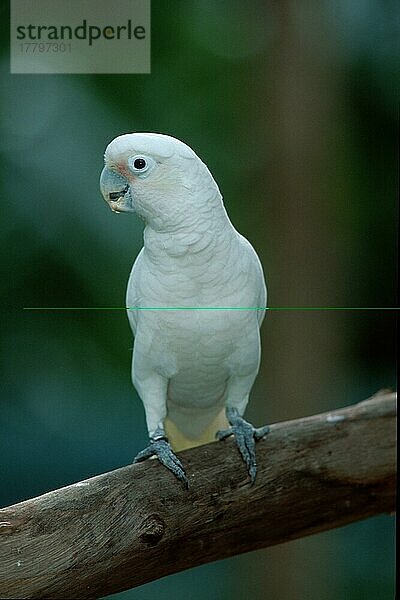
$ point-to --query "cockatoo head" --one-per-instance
(156, 176)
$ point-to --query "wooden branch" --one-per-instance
(138, 523)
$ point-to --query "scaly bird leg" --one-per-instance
(159, 446)
(245, 437)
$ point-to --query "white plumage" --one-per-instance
(188, 365)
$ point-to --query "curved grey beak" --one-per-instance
(115, 190)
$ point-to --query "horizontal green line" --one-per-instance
(54, 308)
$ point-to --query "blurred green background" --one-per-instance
(292, 104)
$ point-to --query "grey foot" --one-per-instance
(160, 447)
(245, 437)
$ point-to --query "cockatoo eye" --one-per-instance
(141, 165)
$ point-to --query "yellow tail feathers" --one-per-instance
(180, 442)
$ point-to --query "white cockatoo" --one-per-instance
(196, 298)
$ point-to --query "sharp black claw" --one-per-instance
(245, 437)
(160, 447)
(224, 433)
(260, 432)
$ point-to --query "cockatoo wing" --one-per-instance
(256, 276)
(132, 294)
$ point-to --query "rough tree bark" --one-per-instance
(138, 523)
